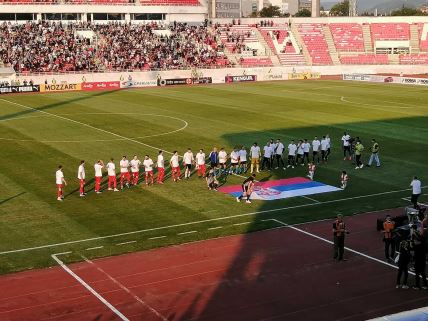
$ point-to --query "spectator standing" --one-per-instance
(419, 257)
(358, 153)
(388, 228)
(403, 264)
(339, 231)
(375, 154)
(416, 186)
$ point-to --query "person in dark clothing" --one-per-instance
(339, 231)
(403, 265)
(247, 188)
(419, 258)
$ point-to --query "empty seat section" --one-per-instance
(347, 36)
(313, 37)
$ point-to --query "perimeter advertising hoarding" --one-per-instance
(60, 87)
(304, 75)
(19, 89)
(184, 81)
(102, 85)
(242, 78)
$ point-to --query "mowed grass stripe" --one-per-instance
(36, 217)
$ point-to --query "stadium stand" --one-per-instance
(258, 61)
(390, 31)
(423, 36)
(420, 59)
(47, 47)
(365, 59)
(314, 40)
(347, 36)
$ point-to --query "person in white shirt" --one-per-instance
(300, 153)
(160, 164)
(242, 160)
(327, 138)
(315, 150)
(175, 167)
(81, 176)
(111, 172)
(416, 186)
(344, 180)
(267, 156)
(124, 172)
(278, 153)
(222, 159)
(292, 148)
(273, 146)
(346, 145)
(135, 169)
(99, 165)
(60, 182)
(188, 161)
(324, 145)
(306, 149)
(255, 157)
(234, 161)
(200, 163)
(148, 169)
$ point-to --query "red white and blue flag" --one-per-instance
(282, 188)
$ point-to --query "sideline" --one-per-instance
(88, 287)
(196, 222)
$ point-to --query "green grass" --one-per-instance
(32, 146)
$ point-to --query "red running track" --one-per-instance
(279, 274)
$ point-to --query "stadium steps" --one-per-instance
(330, 43)
(302, 45)
(275, 60)
(261, 39)
(414, 38)
(368, 43)
(394, 59)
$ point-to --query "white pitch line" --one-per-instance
(200, 222)
(189, 232)
(215, 228)
(115, 281)
(89, 288)
(285, 225)
(84, 124)
(309, 198)
(94, 248)
(243, 223)
(157, 237)
(124, 243)
(408, 200)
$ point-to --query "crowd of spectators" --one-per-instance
(44, 46)
(54, 47)
(141, 47)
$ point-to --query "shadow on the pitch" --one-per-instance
(53, 105)
(11, 198)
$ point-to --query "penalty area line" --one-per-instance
(200, 222)
(88, 287)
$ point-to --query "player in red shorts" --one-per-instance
(311, 170)
(160, 164)
(81, 176)
(148, 169)
(175, 165)
(124, 172)
(200, 163)
(98, 175)
(111, 172)
(60, 182)
(135, 169)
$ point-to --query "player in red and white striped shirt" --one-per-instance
(344, 179)
(311, 170)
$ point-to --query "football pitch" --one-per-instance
(39, 132)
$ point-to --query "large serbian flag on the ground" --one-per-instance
(282, 188)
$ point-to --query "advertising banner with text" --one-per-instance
(102, 85)
(60, 87)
